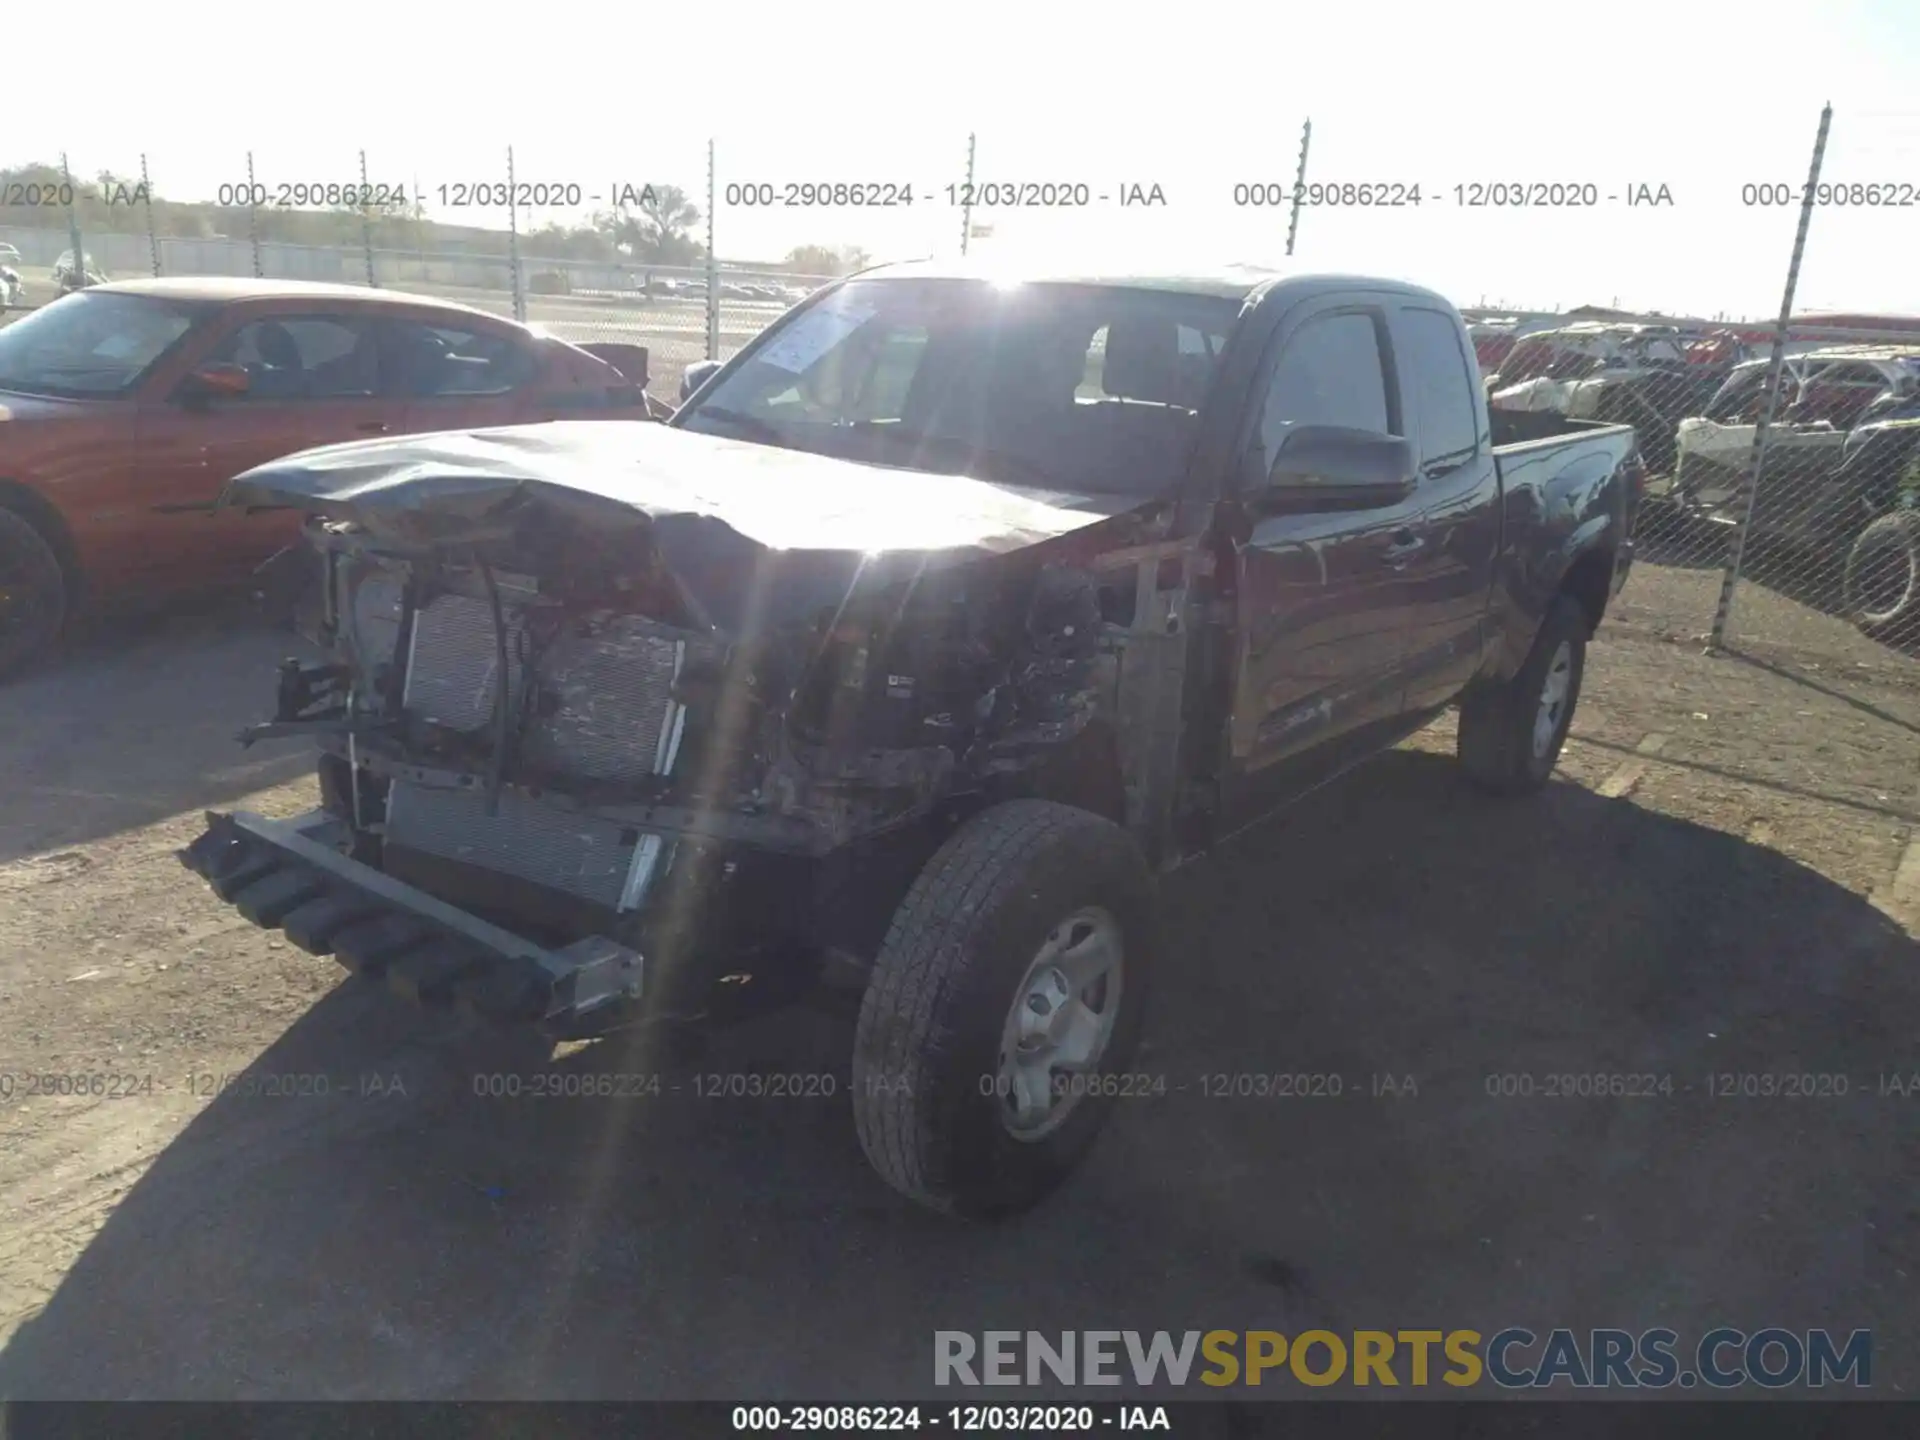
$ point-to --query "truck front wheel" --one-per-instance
(1005, 1000)
(1511, 734)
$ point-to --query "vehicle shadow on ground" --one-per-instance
(1434, 958)
(135, 720)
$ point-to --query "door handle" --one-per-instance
(1405, 546)
(372, 427)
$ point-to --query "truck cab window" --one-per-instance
(1440, 388)
(1329, 373)
(1059, 386)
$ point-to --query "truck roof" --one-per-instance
(1227, 281)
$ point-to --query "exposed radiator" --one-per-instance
(607, 685)
(605, 712)
(597, 860)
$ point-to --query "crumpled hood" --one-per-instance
(732, 519)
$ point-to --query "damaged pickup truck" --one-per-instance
(935, 624)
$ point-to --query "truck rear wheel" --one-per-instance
(1006, 997)
(1882, 579)
(1511, 734)
(33, 592)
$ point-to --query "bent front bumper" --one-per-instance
(292, 875)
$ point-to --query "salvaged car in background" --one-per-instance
(68, 277)
(126, 407)
(1644, 375)
(1839, 465)
(1880, 582)
(945, 614)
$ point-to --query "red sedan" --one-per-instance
(125, 408)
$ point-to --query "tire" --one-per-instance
(1504, 745)
(33, 593)
(1882, 578)
(931, 1102)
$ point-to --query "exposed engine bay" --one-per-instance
(536, 713)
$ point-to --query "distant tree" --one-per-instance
(826, 260)
(661, 226)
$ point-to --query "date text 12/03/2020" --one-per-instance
(962, 1419)
(1469, 195)
(983, 195)
(33, 1085)
(453, 195)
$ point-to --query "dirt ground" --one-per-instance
(1715, 886)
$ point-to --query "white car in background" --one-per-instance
(10, 284)
(1825, 391)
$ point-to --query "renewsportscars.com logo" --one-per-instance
(1516, 1358)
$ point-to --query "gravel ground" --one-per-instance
(1709, 888)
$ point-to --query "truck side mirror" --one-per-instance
(697, 375)
(1333, 467)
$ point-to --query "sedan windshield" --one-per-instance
(1085, 388)
(90, 344)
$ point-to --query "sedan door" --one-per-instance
(313, 380)
(457, 373)
(1324, 599)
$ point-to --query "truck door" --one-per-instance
(1323, 599)
(1449, 575)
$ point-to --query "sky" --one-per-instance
(1700, 97)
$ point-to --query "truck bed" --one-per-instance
(1512, 428)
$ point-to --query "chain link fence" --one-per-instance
(1783, 455)
(571, 263)
(1781, 511)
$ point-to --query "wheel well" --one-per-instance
(39, 512)
(1589, 582)
(1086, 774)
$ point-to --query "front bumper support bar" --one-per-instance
(292, 875)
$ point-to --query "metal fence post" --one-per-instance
(366, 221)
(1776, 363)
(1299, 183)
(73, 221)
(966, 199)
(153, 235)
(513, 244)
(713, 267)
(253, 219)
